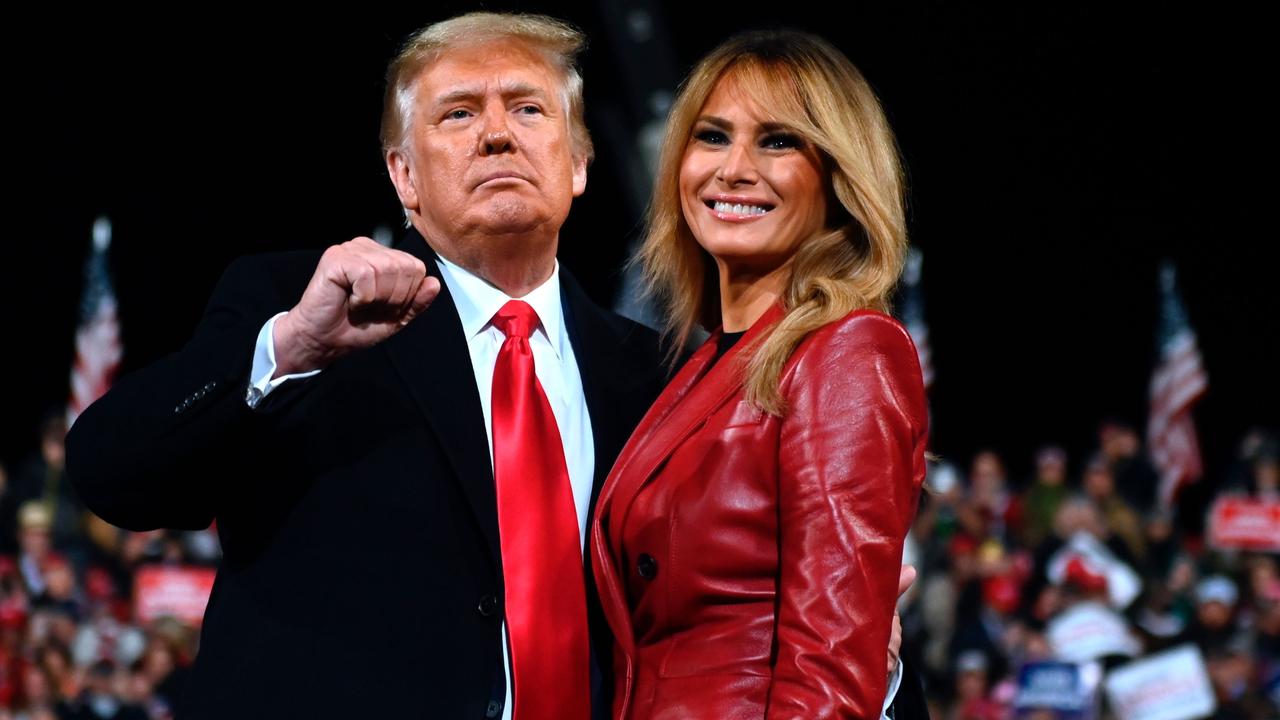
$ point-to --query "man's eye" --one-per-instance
(529, 110)
(458, 114)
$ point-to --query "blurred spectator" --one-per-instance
(1135, 478)
(972, 699)
(1211, 628)
(1267, 634)
(1266, 475)
(102, 697)
(43, 479)
(989, 494)
(54, 658)
(1162, 543)
(1118, 516)
(35, 694)
(1234, 684)
(1041, 500)
(1161, 616)
(60, 592)
(34, 545)
(104, 637)
(1255, 444)
(1077, 515)
(165, 664)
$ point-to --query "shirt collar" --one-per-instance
(477, 302)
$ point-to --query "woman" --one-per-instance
(748, 540)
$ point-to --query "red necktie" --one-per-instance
(538, 525)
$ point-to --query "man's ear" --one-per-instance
(402, 177)
(579, 175)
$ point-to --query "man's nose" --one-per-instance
(495, 134)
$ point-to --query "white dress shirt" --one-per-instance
(553, 362)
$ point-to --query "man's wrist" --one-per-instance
(294, 352)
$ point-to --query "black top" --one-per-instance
(725, 343)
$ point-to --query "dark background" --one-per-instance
(1056, 155)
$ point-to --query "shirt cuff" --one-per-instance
(895, 681)
(261, 382)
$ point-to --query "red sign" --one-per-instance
(1241, 523)
(177, 592)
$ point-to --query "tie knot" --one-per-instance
(516, 319)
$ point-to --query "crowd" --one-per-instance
(1081, 564)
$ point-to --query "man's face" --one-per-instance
(35, 542)
(1052, 471)
(1214, 614)
(1099, 483)
(488, 150)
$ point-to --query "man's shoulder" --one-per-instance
(266, 275)
(604, 324)
(629, 332)
(275, 264)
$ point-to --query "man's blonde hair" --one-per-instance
(558, 42)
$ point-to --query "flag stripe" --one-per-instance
(98, 346)
(1177, 382)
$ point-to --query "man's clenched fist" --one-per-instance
(361, 294)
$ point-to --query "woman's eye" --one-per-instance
(782, 141)
(711, 137)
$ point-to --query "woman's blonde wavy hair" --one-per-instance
(808, 85)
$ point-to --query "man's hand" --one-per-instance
(906, 576)
(361, 294)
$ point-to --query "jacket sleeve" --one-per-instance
(160, 447)
(851, 461)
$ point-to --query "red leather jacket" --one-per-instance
(748, 563)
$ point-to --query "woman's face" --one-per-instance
(752, 191)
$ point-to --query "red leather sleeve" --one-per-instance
(851, 461)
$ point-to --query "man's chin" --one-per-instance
(511, 217)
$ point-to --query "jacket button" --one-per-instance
(647, 566)
(494, 710)
(488, 606)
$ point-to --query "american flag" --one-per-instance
(1177, 383)
(98, 348)
(911, 313)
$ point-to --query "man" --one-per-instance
(399, 540)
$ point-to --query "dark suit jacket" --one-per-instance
(361, 574)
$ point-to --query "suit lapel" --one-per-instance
(608, 385)
(432, 358)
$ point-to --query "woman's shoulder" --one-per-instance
(864, 353)
(861, 363)
(862, 331)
